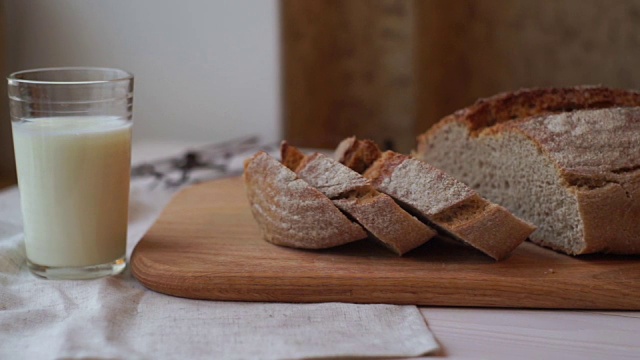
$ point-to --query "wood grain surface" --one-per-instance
(390, 69)
(347, 70)
(206, 245)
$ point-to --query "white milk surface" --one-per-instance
(73, 175)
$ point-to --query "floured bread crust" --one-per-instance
(385, 220)
(292, 213)
(533, 102)
(567, 160)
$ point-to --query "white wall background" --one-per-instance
(204, 70)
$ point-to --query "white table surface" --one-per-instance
(473, 333)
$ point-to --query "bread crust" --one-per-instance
(448, 204)
(353, 194)
(591, 135)
(589, 147)
(331, 178)
(356, 154)
(596, 153)
(611, 218)
(387, 222)
(494, 231)
(525, 103)
(292, 213)
(291, 156)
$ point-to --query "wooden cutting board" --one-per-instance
(206, 245)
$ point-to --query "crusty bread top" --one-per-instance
(581, 176)
(292, 213)
(533, 102)
(591, 147)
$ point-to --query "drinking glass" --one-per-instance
(72, 140)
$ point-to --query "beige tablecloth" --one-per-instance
(118, 318)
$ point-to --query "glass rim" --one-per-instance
(123, 75)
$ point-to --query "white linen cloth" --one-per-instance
(117, 317)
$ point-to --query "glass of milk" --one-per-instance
(72, 141)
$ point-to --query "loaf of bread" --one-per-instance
(292, 213)
(451, 206)
(566, 160)
(353, 194)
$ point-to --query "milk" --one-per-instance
(73, 175)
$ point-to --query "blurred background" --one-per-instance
(316, 71)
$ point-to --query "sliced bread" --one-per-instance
(353, 194)
(356, 154)
(575, 174)
(292, 213)
(451, 206)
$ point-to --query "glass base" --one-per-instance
(78, 273)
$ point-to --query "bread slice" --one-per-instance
(290, 156)
(292, 213)
(450, 205)
(357, 154)
(575, 174)
(353, 194)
